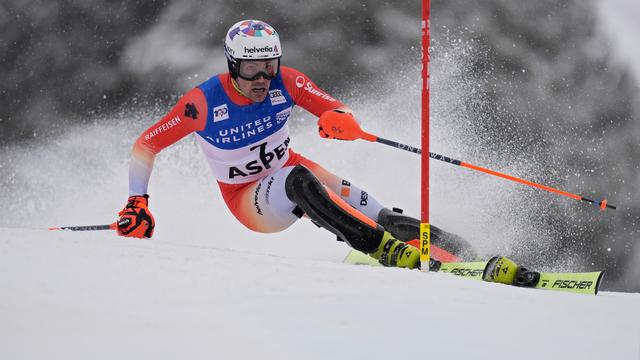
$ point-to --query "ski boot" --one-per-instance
(406, 228)
(434, 265)
(393, 252)
(499, 269)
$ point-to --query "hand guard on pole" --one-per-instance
(136, 219)
(337, 124)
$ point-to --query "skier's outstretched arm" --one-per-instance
(187, 116)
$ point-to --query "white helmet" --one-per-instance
(251, 39)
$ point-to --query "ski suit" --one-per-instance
(248, 148)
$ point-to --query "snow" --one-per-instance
(93, 295)
(206, 288)
(619, 19)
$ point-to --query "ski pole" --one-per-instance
(86, 227)
(370, 137)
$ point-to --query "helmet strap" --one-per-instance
(237, 87)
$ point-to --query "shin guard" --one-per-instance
(331, 212)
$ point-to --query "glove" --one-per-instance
(136, 219)
(337, 124)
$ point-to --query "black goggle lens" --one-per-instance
(253, 70)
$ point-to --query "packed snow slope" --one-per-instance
(215, 296)
(206, 288)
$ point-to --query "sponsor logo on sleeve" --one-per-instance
(317, 92)
(277, 97)
(191, 111)
(302, 82)
(163, 128)
(220, 113)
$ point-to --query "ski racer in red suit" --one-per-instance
(240, 120)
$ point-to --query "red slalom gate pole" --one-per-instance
(425, 228)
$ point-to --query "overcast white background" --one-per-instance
(621, 21)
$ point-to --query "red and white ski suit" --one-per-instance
(248, 147)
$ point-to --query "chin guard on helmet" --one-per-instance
(331, 212)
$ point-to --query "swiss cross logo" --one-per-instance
(220, 113)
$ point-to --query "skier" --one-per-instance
(240, 121)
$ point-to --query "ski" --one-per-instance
(577, 283)
(355, 257)
(470, 270)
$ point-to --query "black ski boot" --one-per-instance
(406, 228)
(434, 265)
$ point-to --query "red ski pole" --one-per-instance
(603, 204)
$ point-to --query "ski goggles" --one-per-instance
(252, 69)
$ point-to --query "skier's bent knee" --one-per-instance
(331, 212)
